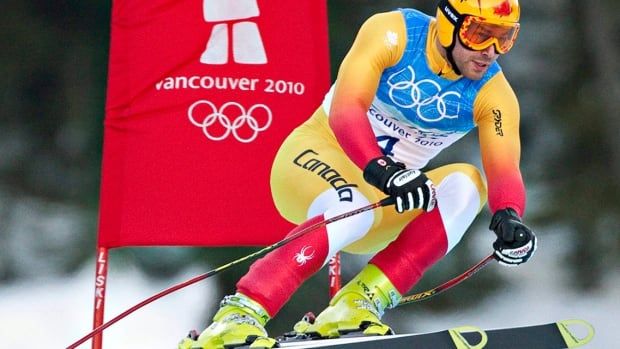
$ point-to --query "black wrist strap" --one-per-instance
(379, 170)
(503, 214)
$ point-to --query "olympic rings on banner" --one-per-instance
(417, 91)
(230, 124)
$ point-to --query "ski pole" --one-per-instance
(416, 297)
(385, 202)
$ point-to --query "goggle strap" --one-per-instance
(450, 12)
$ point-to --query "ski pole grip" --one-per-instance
(387, 201)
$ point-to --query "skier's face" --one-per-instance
(473, 64)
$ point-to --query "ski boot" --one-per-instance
(356, 308)
(239, 322)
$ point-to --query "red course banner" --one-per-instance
(200, 96)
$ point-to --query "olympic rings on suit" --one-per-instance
(417, 91)
(231, 125)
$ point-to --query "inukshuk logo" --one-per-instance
(229, 119)
(247, 45)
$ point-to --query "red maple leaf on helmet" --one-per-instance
(503, 9)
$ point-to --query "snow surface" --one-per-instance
(54, 313)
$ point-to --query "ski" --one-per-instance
(555, 335)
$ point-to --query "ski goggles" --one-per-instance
(477, 34)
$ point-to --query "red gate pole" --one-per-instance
(101, 276)
(334, 275)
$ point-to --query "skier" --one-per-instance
(410, 86)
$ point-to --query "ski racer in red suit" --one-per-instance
(410, 86)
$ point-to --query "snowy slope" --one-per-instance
(58, 312)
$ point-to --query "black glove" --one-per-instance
(409, 188)
(516, 243)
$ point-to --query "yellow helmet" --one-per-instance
(478, 23)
